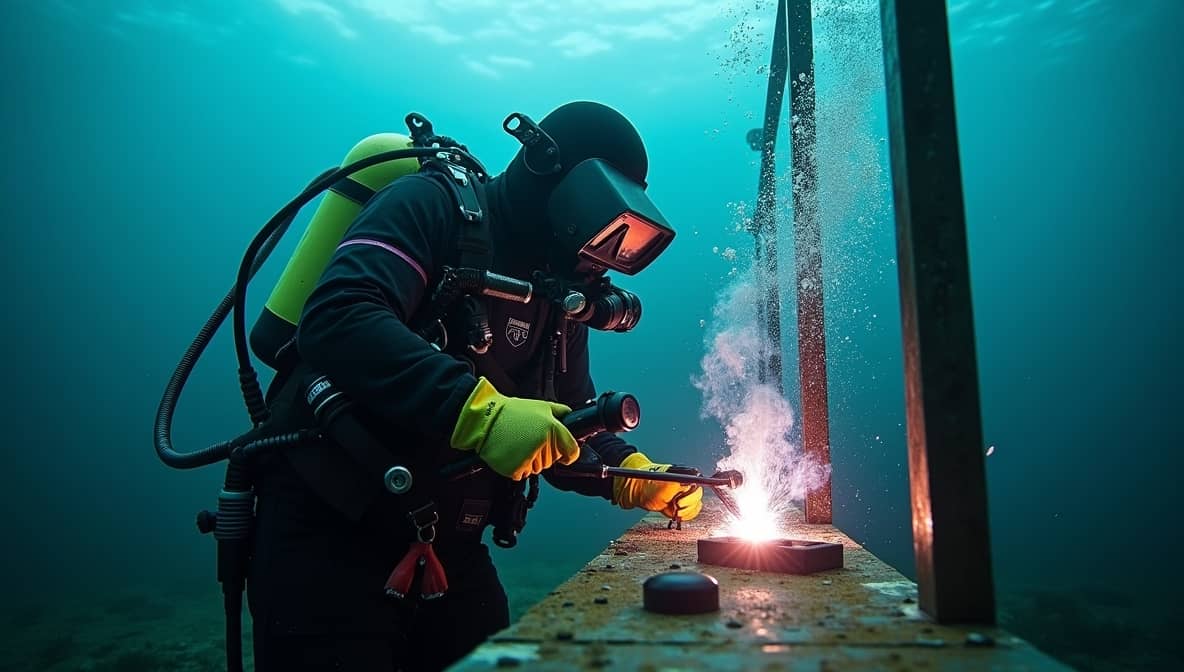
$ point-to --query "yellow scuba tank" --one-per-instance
(276, 326)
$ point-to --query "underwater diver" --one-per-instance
(346, 575)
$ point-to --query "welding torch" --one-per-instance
(616, 412)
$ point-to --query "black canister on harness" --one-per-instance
(509, 518)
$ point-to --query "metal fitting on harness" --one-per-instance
(420, 558)
(325, 400)
(480, 335)
(424, 521)
(459, 281)
(465, 285)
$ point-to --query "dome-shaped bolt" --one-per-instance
(398, 480)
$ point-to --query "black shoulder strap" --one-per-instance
(475, 246)
(474, 242)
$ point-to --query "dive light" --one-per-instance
(615, 309)
(610, 412)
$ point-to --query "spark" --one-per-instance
(756, 417)
(758, 521)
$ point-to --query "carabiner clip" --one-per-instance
(424, 521)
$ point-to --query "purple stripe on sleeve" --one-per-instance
(393, 250)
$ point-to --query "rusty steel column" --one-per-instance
(807, 236)
(764, 219)
(793, 47)
(947, 478)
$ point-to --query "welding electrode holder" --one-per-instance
(615, 412)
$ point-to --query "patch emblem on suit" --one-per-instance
(517, 332)
(472, 515)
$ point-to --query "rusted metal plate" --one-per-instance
(863, 616)
(786, 556)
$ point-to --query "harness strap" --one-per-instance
(476, 251)
(355, 191)
(351, 473)
(474, 239)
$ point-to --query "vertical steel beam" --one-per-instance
(947, 476)
(764, 219)
(807, 236)
(793, 47)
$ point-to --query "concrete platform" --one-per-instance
(861, 617)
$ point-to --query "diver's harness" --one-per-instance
(454, 301)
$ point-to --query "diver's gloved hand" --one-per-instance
(515, 437)
(657, 496)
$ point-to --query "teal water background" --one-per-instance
(145, 142)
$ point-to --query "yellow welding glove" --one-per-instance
(515, 437)
(669, 499)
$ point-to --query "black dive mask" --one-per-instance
(602, 220)
(580, 176)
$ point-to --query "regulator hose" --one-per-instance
(235, 300)
(168, 402)
(172, 392)
(252, 394)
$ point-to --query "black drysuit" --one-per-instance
(322, 553)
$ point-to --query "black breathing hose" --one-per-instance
(252, 394)
(235, 300)
(172, 392)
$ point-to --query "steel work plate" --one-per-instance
(864, 616)
(784, 556)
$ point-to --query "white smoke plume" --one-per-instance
(758, 421)
(852, 187)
